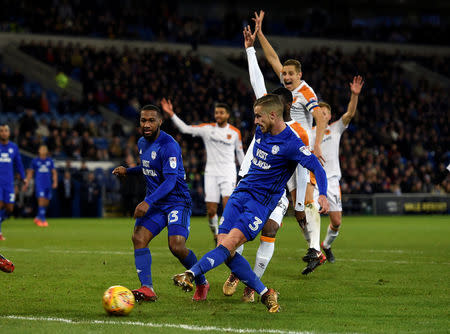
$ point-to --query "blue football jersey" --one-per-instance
(10, 157)
(43, 172)
(274, 160)
(159, 159)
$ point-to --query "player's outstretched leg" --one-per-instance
(240, 266)
(6, 265)
(201, 284)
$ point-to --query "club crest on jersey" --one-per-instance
(228, 136)
(275, 149)
(305, 150)
(153, 155)
(173, 162)
(10, 150)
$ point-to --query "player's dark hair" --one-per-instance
(270, 102)
(285, 94)
(152, 107)
(222, 105)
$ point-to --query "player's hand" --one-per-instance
(318, 154)
(258, 21)
(167, 107)
(249, 38)
(120, 171)
(25, 184)
(356, 85)
(324, 206)
(55, 185)
(141, 209)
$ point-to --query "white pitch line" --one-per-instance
(154, 325)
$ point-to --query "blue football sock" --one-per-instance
(210, 260)
(188, 262)
(143, 262)
(241, 268)
(2, 218)
(41, 213)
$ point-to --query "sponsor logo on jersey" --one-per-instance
(153, 155)
(275, 149)
(173, 162)
(5, 157)
(305, 150)
(149, 172)
(145, 163)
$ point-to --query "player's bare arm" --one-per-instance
(321, 125)
(120, 171)
(167, 107)
(269, 52)
(141, 209)
(27, 179)
(355, 89)
(324, 205)
(54, 179)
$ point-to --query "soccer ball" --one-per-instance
(118, 300)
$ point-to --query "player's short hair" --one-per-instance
(295, 63)
(152, 107)
(270, 102)
(285, 94)
(324, 104)
(222, 105)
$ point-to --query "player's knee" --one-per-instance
(138, 240)
(270, 229)
(177, 247)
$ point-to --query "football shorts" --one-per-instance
(333, 194)
(7, 194)
(216, 186)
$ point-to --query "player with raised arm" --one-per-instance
(330, 150)
(277, 151)
(46, 179)
(222, 141)
(304, 109)
(9, 159)
(167, 203)
(268, 233)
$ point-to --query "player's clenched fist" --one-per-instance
(120, 171)
(141, 209)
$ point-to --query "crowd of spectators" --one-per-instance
(168, 22)
(397, 143)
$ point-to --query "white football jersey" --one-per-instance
(303, 104)
(220, 144)
(330, 147)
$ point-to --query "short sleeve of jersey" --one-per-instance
(170, 158)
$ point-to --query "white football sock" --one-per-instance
(214, 224)
(263, 256)
(331, 235)
(313, 225)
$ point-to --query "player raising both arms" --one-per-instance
(330, 150)
(304, 109)
(9, 158)
(268, 233)
(277, 151)
(167, 203)
(46, 178)
(221, 141)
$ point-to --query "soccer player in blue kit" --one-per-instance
(46, 178)
(276, 153)
(9, 158)
(167, 203)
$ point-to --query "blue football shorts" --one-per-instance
(44, 192)
(7, 194)
(244, 212)
(175, 217)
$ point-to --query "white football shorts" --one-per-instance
(216, 186)
(333, 194)
(280, 210)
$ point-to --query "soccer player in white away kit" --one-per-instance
(268, 233)
(304, 108)
(221, 141)
(330, 150)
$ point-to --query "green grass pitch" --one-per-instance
(392, 275)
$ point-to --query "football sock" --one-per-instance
(241, 268)
(214, 224)
(313, 225)
(332, 233)
(143, 262)
(240, 249)
(264, 255)
(210, 260)
(188, 262)
(2, 213)
(41, 213)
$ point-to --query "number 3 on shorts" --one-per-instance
(255, 225)
(173, 216)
